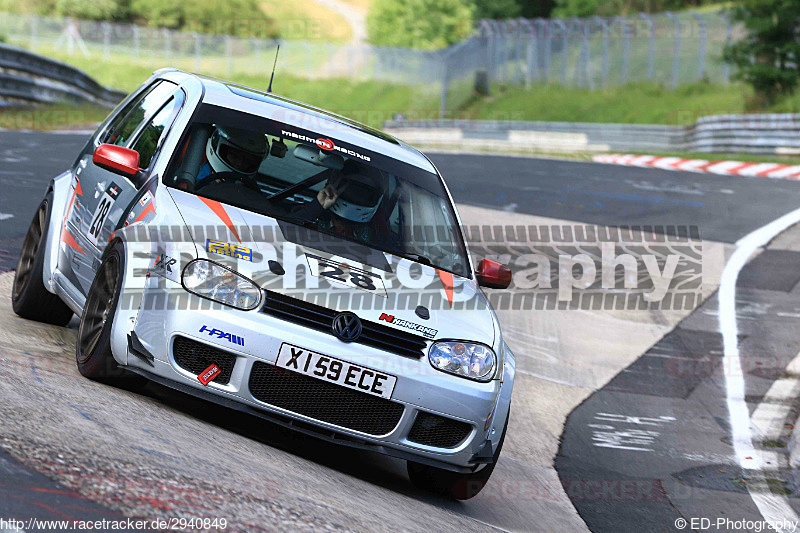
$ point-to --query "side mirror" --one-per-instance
(493, 275)
(119, 160)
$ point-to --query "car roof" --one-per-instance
(248, 100)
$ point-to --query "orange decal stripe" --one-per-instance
(78, 192)
(145, 211)
(67, 238)
(222, 214)
(447, 280)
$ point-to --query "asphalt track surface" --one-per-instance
(632, 402)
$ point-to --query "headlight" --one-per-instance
(220, 284)
(465, 359)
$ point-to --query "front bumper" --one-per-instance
(419, 388)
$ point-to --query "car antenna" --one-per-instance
(272, 76)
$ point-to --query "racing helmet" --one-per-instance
(361, 198)
(235, 150)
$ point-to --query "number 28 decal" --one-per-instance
(340, 272)
(101, 211)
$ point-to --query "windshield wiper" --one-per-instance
(414, 257)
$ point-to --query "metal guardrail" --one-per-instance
(32, 78)
(756, 134)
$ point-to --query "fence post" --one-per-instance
(443, 99)
(604, 25)
(136, 41)
(564, 49)
(34, 31)
(167, 44)
(726, 71)
(587, 80)
(106, 40)
(676, 62)
(626, 48)
(651, 46)
(197, 52)
(229, 54)
(488, 36)
(532, 60)
(519, 45)
(309, 59)
(701, 48)
(548, 47)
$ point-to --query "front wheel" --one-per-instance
(454, 485)
(93, 347)
(29, 297)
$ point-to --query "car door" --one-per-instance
(104, 195)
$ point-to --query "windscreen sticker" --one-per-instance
(325, 144)
(419, 328)
(232, 250)
(101, 211)
(341, 272)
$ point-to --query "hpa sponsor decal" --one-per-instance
(419, 328)
(325, 144)
(219, 334)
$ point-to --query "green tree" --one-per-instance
(94, 10)
(769, 56)
(419, 23)
(242, 18)
(609, 8)
(497, 9)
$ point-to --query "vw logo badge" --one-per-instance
(346, 326)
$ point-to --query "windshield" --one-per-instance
(321, 184)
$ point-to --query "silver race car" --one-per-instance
(283, 261)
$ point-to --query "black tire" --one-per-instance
(29, 298)
(93, 346)
(453, 485)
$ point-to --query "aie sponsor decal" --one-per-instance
(232, 250)
(214, 332)
(426, 331)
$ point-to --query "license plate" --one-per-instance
(330, 369)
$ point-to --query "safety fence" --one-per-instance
(777, 134)
(27, 78)
(592, 53)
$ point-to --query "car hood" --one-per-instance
(456, 306)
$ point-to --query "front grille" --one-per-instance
(195, 357)
(434, 430)
(320, 318)
(323, 401)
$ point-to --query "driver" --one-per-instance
(348, 202)
(232, 150)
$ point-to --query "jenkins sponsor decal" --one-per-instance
(426, 331)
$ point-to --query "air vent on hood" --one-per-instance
(321, 318)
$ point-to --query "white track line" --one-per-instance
(773, 507)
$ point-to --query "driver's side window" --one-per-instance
(123, 128)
